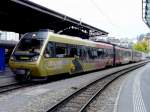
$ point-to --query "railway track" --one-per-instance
(13, 86)
(19, 85)
(79, 100)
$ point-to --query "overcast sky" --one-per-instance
(121, 18)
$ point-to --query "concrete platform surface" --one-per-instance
(135, 92)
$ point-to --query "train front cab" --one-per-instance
(25, 60)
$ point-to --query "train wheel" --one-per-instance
(27, 76)
(23, 78)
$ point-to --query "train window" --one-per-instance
(36, 35)
(110, 53)
(116, 53)
(120, 53)
(100, 53)
(105, 53)
(49, 51)
(84, 52)
(129, 53)
(61, 50)
(73, 52)
(90, 52)
(80, 51)
(125, 53)
(94, 53)
(31, 45)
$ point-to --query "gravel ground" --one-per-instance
(39, 98)
(106, 101)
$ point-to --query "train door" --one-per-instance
(75, 53)
(118, 58)
(49, 55)
(83, 57)
(91, 65)
(110, 57)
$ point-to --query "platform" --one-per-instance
(135, 92)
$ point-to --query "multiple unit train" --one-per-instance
(43, 53)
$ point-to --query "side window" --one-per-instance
(90, 52)
(73, 51)
(61, 50)
(124, 53)
(49, 51)
(80, 51)
(105, 53)
(110, 53)
(129, 54)
(100, 53)
(84, 52)
(119, 53)
(93, 53)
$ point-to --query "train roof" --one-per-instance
(121, 47)
(77, 41)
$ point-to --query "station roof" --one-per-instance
(24, 16)
(146, 12)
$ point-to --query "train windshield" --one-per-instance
(30, 45)
(32, 42)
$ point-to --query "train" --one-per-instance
(43, 53)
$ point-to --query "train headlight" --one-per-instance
(35, 58)
(12, 58)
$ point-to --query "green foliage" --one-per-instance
(142, 46)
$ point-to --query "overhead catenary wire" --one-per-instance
(101, 12)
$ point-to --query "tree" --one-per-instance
(142, 46)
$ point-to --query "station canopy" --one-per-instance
(146, 12)
(23, 16)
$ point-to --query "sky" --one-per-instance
(120, 18)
